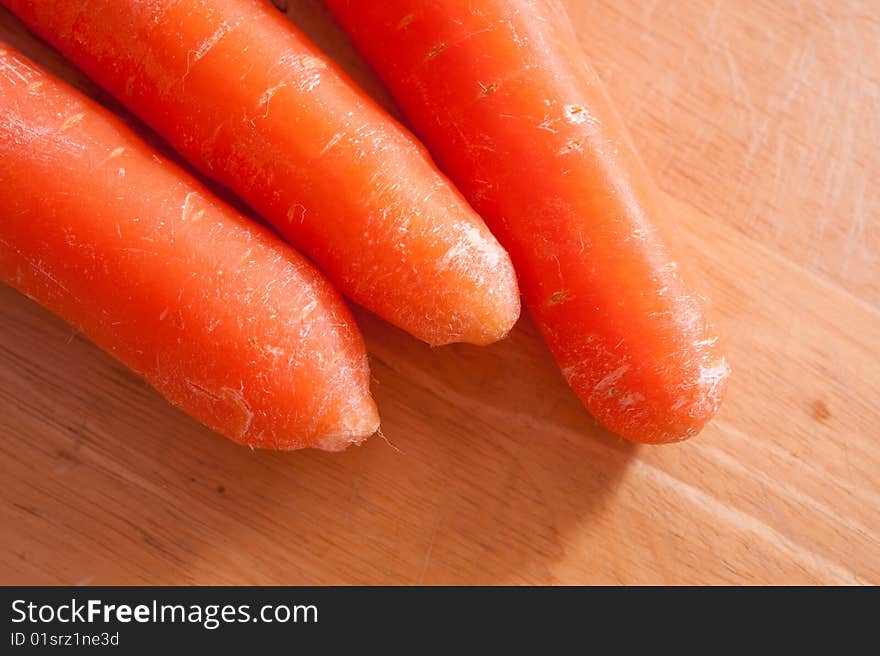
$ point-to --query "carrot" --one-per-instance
(251, 102)
(219, 315)
(499, 91)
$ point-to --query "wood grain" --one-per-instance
(760, 120)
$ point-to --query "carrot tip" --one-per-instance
(360, 423)
(690, 419)
(487, 328)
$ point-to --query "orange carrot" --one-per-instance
(499, 91)
(251, 102)
(219, 315)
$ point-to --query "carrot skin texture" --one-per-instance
(499, 92)
(251, 102)
(220, 316)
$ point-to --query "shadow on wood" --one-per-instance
(487, 464)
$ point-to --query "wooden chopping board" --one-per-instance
(761, 121)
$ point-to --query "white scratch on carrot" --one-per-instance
(71, 121)
(193, 56)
